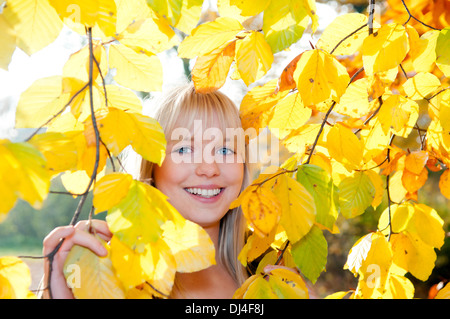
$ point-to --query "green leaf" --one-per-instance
(284, 23)
(356, 193)
(442, 51)
(310, 253)
(320, 185)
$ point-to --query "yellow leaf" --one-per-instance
(444, 183)
(262, 210)
(255, 287)
(416, 161)
(119, 98)
(134, 268)
(339, 29)
(88, 13)
(210, 71)
(36, 23)
(385, 48)
(209, 36)
(40, 102)
(143, 133)
(289, 114)
(152, 34)
(286, 284)
(252, 7)
(429, 225)
(253, 57)
(399, 287)
(424, 55)
(182, 14)
(15, 279)
(355, 101)
(136, 71)
(256, 107)
(129, 11)
(344, 146)
(254, 247)
(413, 255)
(299, 140)
(421, 85)
(58, 149)
(298, 208)
(78, 64)
(444, 293)
(398, 115)
(442, 52)
(374, 271)
(396, 189)
(285, 21)
(319, 76)
(379, 187)
(31, 180)
(190, 245)
(91, 276)
(8, 41)
(110, 190)
(399, 220)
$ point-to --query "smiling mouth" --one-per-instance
(205, 193)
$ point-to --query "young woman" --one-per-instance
(203, 172)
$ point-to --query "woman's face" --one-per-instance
(201, 174)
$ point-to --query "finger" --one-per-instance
(99, 226)
(54, 238)
(85, 239)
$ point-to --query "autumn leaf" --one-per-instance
(15, 279)
(385, 48)
(289, 114)
(91, 276)
(99, 13)
(143, 133)
(136, 71)
(298, 208)
(36, 23)
(209, 37)
(24, 175)
(442, 53)
(344, 35)
(320, 185)
(8, 40)
(39, 102)
(319, 76)
(285, 21)
(210, 71)
(253, 57)
(344, 146)
(356, 193)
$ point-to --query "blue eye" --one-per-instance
(225, 151)
(184, 150)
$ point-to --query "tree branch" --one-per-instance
(371, 15)
(82, 201)
(411, 16)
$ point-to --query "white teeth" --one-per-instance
(204, 192)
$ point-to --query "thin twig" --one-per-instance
(411, 16)
(387, 189)
(347, 36)
(371, 15)
(82, 201)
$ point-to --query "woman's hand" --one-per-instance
(81, 234)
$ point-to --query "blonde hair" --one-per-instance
(185, 104)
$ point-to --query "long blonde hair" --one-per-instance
(186, 104)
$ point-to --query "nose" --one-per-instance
(207, 168)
